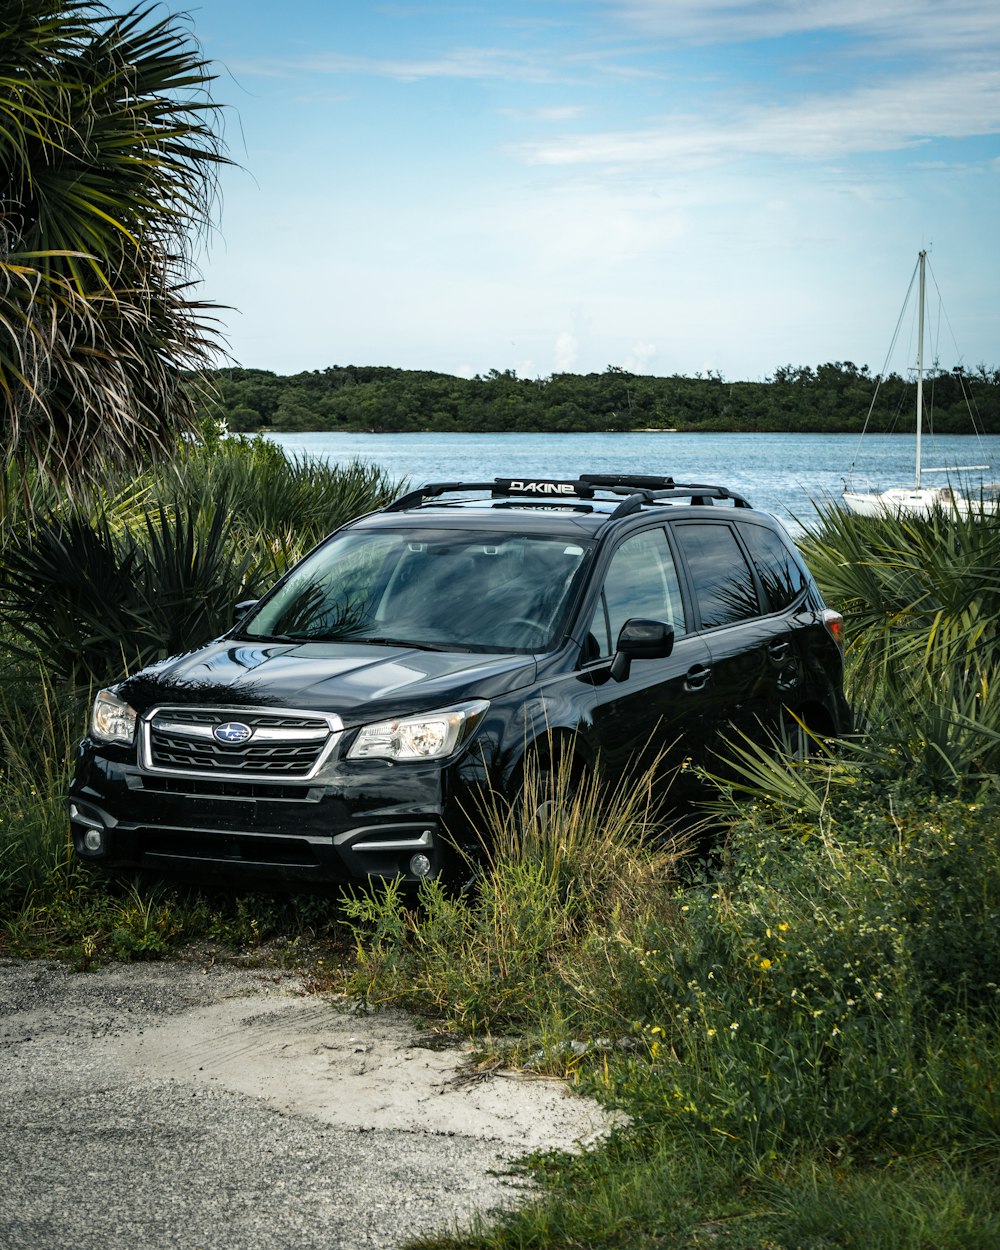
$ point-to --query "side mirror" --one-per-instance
(641, 640)
(242, 608)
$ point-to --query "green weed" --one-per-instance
(39, 724)
(528, 946)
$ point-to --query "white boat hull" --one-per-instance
(923, 501)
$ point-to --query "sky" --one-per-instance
(545, 186)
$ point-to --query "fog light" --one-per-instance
(93, 840)
(420, 866)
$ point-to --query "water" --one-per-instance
(781, 473)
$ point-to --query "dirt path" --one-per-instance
(170, 1105)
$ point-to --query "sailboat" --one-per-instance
(920, 499)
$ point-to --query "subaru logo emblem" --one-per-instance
(232, 733)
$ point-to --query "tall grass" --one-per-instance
(804, 1043)
(290, 503)
(38, 730)
(528, 945)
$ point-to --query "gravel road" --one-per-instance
(147, 1106)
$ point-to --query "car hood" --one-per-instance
(357, 682)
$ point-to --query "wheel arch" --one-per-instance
(549, 749)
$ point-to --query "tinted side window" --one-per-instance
(781, 574)
(723, 583)
(641, 581)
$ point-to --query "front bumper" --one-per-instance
(350, 823)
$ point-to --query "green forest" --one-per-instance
(831, 398)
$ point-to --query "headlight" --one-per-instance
(428, 737)
(112, 720)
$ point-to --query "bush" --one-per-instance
(94, 600)
(288, 503)
(921, 599)
(105, 584)
(836, 988)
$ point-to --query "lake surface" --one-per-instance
(780, 473)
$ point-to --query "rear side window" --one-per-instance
(780, 572)
(723, 584)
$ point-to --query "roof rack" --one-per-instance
(635, 491)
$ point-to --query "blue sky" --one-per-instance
(670, 186)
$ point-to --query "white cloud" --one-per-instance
(912, 24)
(641, 357)
(562, 113)
(476, 64)
(885, 117)
(566, 353)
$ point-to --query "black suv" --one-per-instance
(415, 659)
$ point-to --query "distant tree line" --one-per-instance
(832, 398)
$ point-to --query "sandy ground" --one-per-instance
(217, 1108)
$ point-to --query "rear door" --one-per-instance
(754, 658)
(788, 594)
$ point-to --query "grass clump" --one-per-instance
(39, 726)
(526, 946)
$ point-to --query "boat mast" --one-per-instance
(920, 363)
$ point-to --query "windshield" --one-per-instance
(440, 590)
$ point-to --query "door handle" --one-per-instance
(779, 650)
(697, 678)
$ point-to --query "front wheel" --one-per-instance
(546, 788)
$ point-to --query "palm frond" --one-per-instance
(110, 143)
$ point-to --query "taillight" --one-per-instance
(834, 623)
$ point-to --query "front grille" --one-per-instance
(281, 743)
(177, 752)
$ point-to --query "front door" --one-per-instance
(658, 712)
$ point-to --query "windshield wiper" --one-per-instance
(375, 640)
(410, 644)
(246, 637)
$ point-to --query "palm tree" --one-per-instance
(921, 600)
(109, 151)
